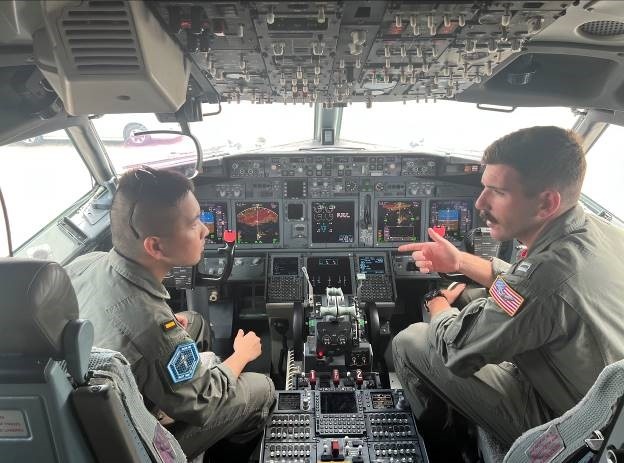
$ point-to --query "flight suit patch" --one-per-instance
(183, 362)
(505, 296)
(168, 325)
(525, 268)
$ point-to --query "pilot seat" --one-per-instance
(61, 400)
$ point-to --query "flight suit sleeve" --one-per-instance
(172, 375)
(499, 266)
(484, 332)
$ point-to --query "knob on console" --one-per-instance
(335, 377)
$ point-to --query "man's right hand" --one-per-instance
(437, 256)
(247, 346)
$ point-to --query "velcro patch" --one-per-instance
(183, 362)
(504, 295)
(168, 325)
(546, 447)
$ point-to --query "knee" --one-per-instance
(261, 389)
(410, 342)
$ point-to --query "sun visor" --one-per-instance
(110, 57)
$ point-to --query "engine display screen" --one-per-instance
(372, 265)
(398, 221)
(214, 217)
(329, 272)
(333, 222)
(338, 402)
(257, 223)
(285, 266)
(451, 218)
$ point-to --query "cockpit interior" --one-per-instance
(303, 233)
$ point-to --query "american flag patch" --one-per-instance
(508, 299)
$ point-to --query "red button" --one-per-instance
(229, 236)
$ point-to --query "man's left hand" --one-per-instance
(182, 320)
(440, 304)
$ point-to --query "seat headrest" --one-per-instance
(36, 302)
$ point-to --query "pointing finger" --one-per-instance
(435, 236)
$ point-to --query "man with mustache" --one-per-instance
(532, 347)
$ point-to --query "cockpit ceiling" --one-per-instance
(513, 53)
(338, 52)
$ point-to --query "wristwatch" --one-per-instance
(430, 295)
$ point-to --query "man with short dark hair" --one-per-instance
(155, 225)
(555, 313)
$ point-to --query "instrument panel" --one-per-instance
(338, 201)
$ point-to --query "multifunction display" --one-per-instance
(330, 272)
(333, 222)
(372, 265)
(338, 402)
(451, 218)
(214, 217)
(285, 266)
(398, 221)
(257, 223)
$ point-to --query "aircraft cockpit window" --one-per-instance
(127, 151)
(605, 167)
(445, 125)
(34, 205)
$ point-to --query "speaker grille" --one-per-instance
(101, 38)
(603, 28)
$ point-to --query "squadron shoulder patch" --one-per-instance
(507, 299)
(168, 325)
(183, 362)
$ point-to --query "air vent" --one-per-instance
(602, 29)
(101, 38)
(226, 10)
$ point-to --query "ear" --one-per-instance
(153, 247)
(549, 203)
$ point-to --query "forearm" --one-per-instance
(477, 268)
(235, 363)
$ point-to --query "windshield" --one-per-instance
(605, 166)
(245, 126)
(449, 126)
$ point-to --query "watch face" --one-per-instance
(430, 295)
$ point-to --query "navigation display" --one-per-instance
(330, 272)
(450, 218)
(214, 217)
(398, 221)
(333, 222)
(372, 265)
(257, 223)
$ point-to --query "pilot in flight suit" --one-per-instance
(556, 314)
(127, 305)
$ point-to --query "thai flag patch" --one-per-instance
(507, 299)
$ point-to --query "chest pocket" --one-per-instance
(457, 333)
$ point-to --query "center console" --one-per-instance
(349, 420)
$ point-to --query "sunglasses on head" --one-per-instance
(142, 175)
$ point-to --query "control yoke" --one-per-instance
(227, 251)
